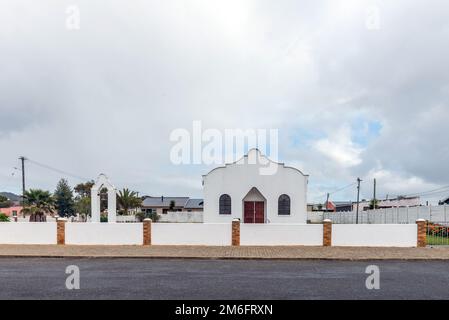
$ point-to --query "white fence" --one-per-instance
(315, 216)
(191, 234)
(281, 234)
(127, 219)
(104, 233)
(375, 235)
(182, 217)
(399, 215)
(175, 216)
(28, 233)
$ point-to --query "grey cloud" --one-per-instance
(117, 87)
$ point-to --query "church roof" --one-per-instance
(257, 154)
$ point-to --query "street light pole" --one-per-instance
(358, 200)
(23, 179)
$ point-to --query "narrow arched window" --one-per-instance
(225, 204)
(284, 205)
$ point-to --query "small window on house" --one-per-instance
(284, 205)
(225, 204)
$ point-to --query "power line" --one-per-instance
(336, 191)
(423, 193)
(438, 190)
(57, 170)
(343, 188)
(433, 193)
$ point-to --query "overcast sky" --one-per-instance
(356, 88)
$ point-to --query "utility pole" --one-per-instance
(358, 200)
(374, 198)
(22, 158)
(327, 201)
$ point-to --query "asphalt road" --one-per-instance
(36, 278)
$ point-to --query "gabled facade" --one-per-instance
(255, 190)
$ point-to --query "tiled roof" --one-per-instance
(194, 204)
(164, 201)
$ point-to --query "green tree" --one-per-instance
(4, 202)
(82, 205)
(82, 199)
(83, 189)
(38, 203)
(127, 200)
(172, 205)
(4, 217)
(64, 199)
(373, 204)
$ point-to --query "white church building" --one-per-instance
(255, 189)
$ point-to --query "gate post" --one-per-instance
(327, 233)
(147, 232)
(236, 232)
(60, 231)
(422, 238)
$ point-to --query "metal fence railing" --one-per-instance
(438, 233)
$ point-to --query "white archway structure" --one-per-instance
(103, 182)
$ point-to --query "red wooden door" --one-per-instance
(253, 212)
(259, 215)
(248, 212)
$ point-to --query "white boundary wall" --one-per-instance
(104, 233)
(281, 234)
(28, 233)
(375, 235)
(219, 234)
(182, 217)
(370, 235)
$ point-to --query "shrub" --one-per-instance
(4, 217)
(437, 229)
(153, 216)
(141, 216)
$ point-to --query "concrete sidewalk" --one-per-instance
(209, 252)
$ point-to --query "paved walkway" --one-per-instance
(207, 252)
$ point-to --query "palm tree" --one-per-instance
(128, 200)
(38, 203)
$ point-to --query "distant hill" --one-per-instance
(11, 196)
